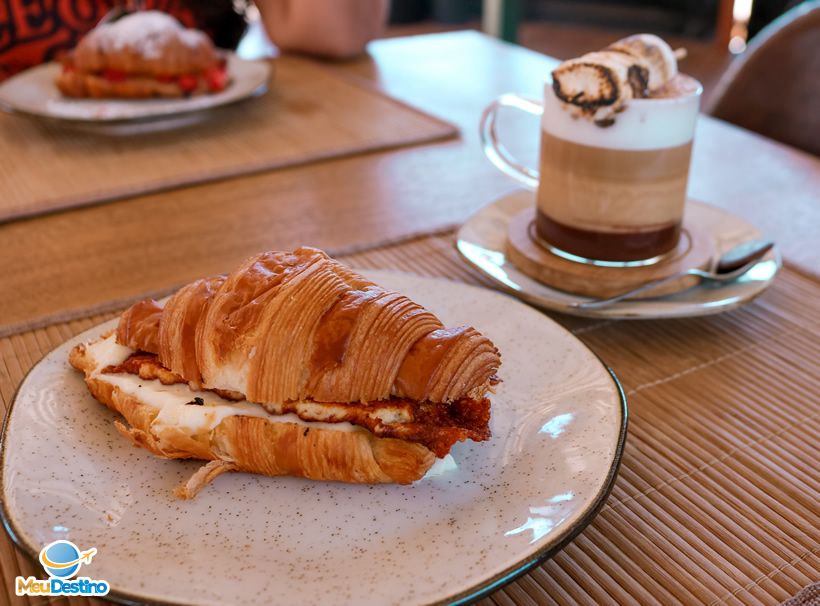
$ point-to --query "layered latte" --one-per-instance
(613, 172)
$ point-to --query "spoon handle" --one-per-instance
(596, 303)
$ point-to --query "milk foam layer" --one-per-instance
(644, 124)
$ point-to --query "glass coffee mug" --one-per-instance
(606, 195)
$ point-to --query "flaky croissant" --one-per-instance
(300, 326)
(375, 386)
(145, 42)
(141, 55)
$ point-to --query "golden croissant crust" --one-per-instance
(295, 326)
(294, 365)
(142, 55)
(145, 42)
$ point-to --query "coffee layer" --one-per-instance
(613, 191)
(604, 246)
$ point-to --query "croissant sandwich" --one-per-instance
(143, 54)
(293, 365)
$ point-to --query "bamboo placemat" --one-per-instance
(716, 501)
(309, 114)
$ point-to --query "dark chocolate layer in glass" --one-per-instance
(607, 246)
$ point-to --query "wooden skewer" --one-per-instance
(680, 53)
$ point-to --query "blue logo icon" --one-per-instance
(62, 559)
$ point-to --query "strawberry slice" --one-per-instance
(114, 75)
(216, 78)
(165, 78)
(187, 83)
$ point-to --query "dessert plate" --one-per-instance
(34, 93)
(481, 241)
(558, 423)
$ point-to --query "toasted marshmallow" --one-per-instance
(598, 84)
(657, 56)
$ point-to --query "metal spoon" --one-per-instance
(731, 265)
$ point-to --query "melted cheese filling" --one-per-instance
(175, 410)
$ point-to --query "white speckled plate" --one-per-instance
(481, 241)
(558, 423)
(33, 93)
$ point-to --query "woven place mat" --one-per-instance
(716, 501)
(309, 114)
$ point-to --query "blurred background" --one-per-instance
(713, 31)
(742, 51)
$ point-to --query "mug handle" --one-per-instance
(495, 150)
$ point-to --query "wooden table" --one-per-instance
(167, 239)
(719, 512)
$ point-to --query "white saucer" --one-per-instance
(481, 242)
(34, 94)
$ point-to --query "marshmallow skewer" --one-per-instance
(599, 83)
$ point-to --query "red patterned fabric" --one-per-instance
(35, 31)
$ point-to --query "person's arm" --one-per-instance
(330, 28)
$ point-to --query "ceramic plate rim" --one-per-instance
(156, 117)
(481, 589)
(636, 309)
